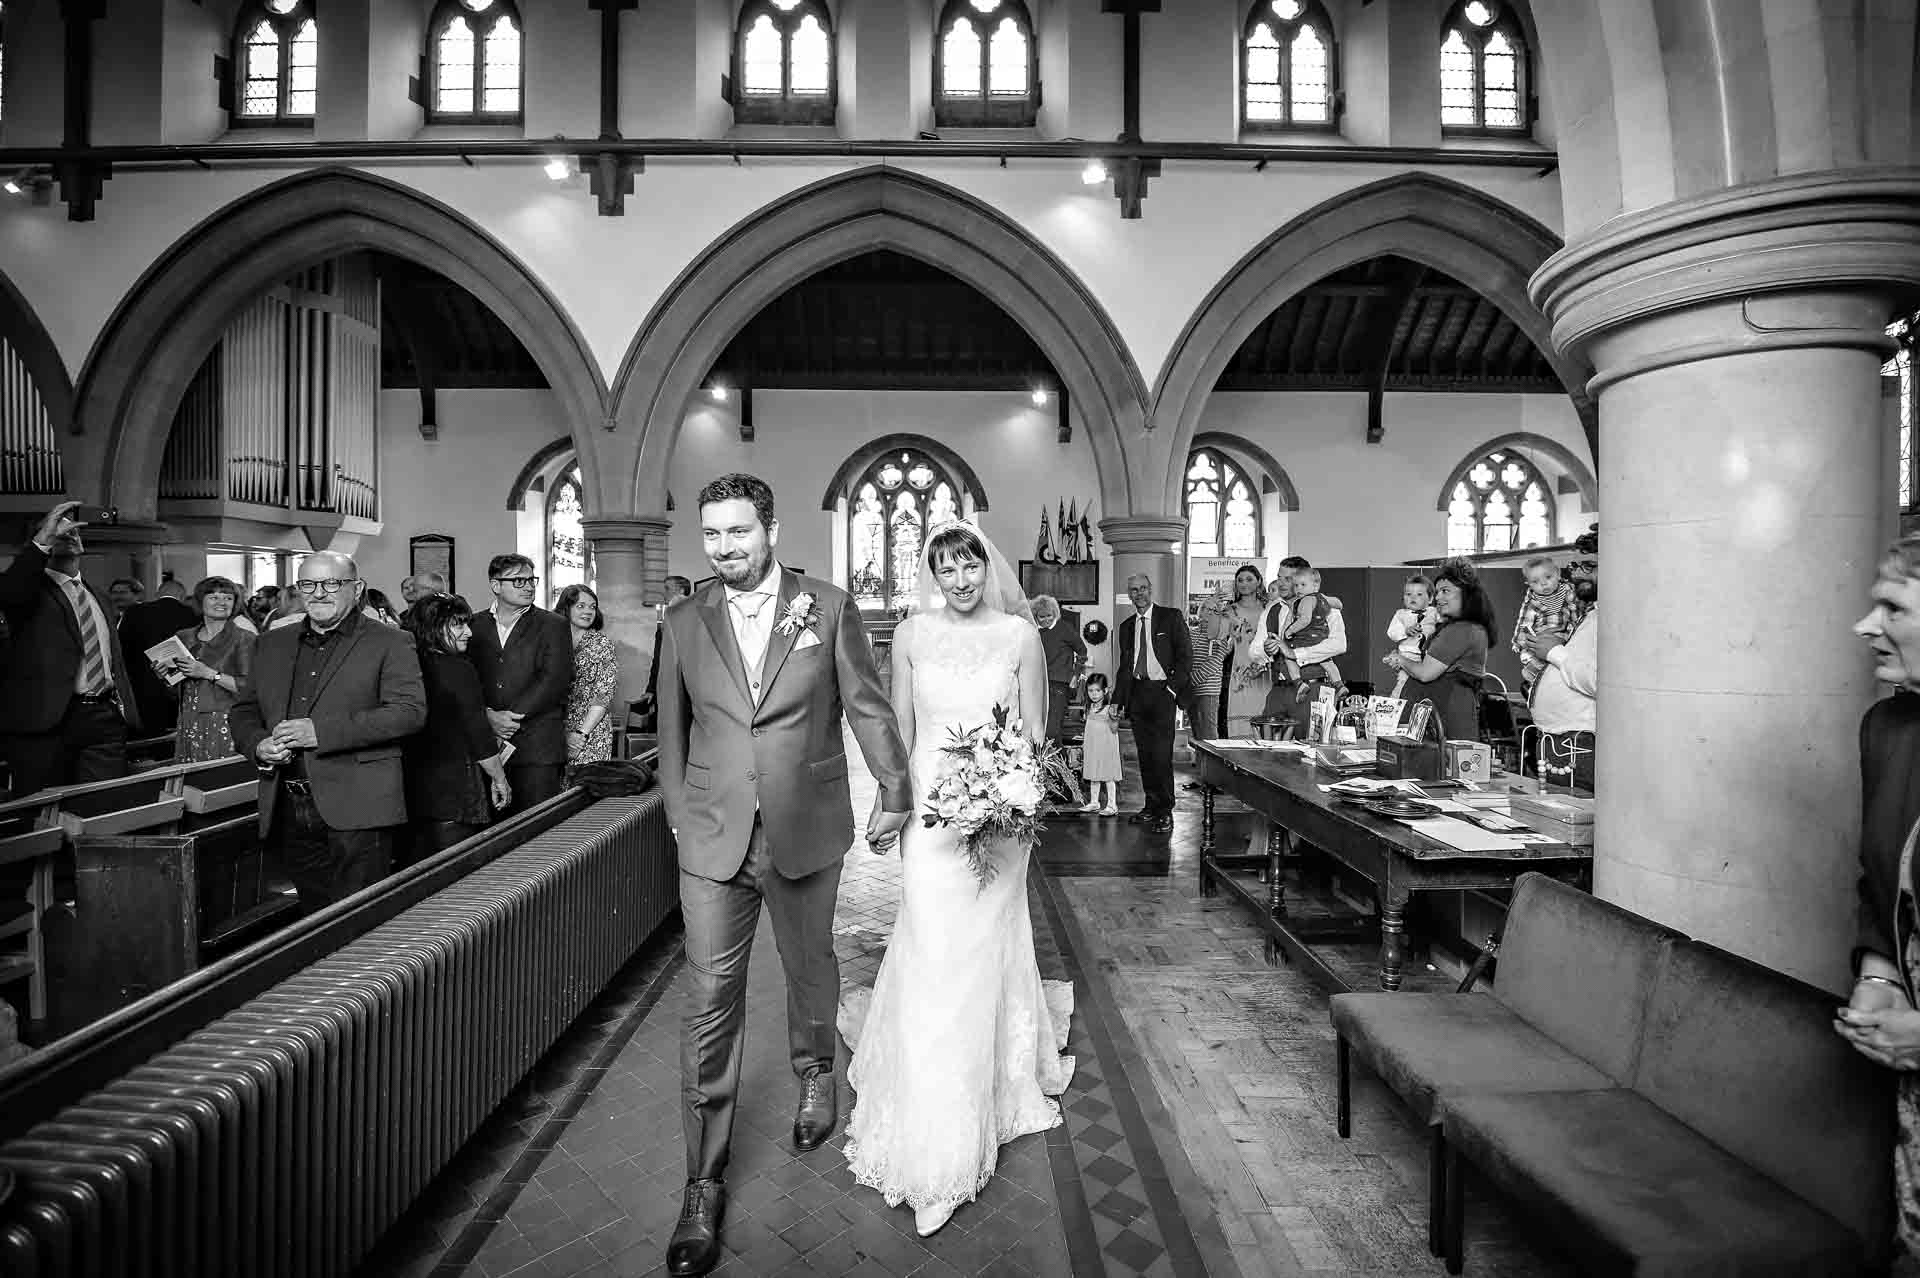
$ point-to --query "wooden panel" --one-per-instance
(134, 927)
(219, 798)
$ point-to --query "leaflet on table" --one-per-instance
(1253, 743)
(167, 657)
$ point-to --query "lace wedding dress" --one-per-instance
(960, 1047)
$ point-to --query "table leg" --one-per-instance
(1277, 840)
(1393, 938)
(1206, 819)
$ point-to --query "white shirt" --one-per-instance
(1563, 699)
(504, 622)
(1334, 645)
(81, 600)
(1143, 639)
(753, 625)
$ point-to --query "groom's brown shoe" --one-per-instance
(695, 1247)
(819, 1111)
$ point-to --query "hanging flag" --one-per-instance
(1086, 532)
(1060, 530)
(1043, 548)
(1071, 529)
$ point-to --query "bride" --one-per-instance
(960, 1048)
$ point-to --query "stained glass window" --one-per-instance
(568, 554)
(987, 73)
(1907, 333)
(1222, 508)
(476, 63)
(889, 510)
(1287, 66)
(783, 63)
(1483, 70)
(1503, 503)
(277, 52)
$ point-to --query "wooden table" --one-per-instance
(1397, 860)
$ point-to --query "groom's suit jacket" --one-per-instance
(722, 756)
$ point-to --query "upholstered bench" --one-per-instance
(1752, 1139)
(1565, 1016)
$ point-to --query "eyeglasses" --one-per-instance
(328, 586)
(519, 583)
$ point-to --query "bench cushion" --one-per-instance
(1729, 1041)
(1429, 1046)
(1581, 970)
(1626, 1184)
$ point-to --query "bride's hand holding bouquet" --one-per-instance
(991, 784)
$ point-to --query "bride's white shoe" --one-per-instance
(928, 1220)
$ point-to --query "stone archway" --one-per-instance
(865, 455)
(1441, 223)
(1252, 460)
(762, 257)
(165, 326)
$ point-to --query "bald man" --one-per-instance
(330, 701)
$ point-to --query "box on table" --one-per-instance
(1564, 817)
(1407, 759)
(1469, 761)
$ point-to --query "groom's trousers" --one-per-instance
(721, 919)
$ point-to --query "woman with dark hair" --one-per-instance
(221, 661)
(596, 674)
(1246, 672)
(453, 764)
(1449, 674)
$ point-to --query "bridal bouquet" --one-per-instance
(991, 783)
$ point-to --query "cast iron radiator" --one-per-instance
(285, 1136)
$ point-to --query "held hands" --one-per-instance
(883, 828)
(504, 723)
(1881, 1025)
(271, 752)
(296, 734)
(501, 793)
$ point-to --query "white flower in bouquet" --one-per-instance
(991, 786)
(1019, 790)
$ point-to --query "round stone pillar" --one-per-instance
(1737, 341)
(1150, 544)
(629, 568)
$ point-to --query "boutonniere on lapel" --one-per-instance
(802, 614)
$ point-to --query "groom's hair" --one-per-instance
(738, 487)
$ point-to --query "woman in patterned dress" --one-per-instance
(222, 660)
(596, 676)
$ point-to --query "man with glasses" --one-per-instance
(525, 658)
(329, 703)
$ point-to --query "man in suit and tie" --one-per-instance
(524, 654)
(758, 669)
(1153, 680)
(326, 710)
(68, 702)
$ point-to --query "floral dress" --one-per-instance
(202, 732)
(596, 673)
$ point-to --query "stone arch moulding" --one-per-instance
(1252, 459)
(171, 318)
(1484, 243)
(21, 329)
(869, 452)
(841, 217)
(1569, 463)
(529, 474)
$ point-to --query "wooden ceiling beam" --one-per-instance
(1391, 313)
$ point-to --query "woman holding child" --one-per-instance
(1234, 624)
(1449, 674)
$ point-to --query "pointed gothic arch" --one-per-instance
(27, 473)
(759, 259)
(162, 330)
(1560, 457)
(1433, 220)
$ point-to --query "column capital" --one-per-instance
(1142, 534)
(1854, 232)
(611, 530)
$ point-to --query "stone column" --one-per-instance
(1737, 340)
(629, 562)
(1146, 543)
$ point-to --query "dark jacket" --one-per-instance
(141, 627)
(533, 677)
(1065, 650)
(1172, 648)
(1890, 792)
(36, 681)
(370, 699)
(444, 781)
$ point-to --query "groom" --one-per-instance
(755, 670)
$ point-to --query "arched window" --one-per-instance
(986, 66)
(783, 66)
(569, 557)
(277, 51)
(474, 73)
(1502, 503)
(1289, 67)
(889, 509)
(1483, 70)
(1222, 508)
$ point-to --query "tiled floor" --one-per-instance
(1199, 1135)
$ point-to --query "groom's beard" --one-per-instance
(748, 570)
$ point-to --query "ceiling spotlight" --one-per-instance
(1040, 397)
(557, 168)
(1094, 174)
(718, 392)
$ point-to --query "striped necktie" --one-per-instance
(93, 647)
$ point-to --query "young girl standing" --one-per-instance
(1100, 750)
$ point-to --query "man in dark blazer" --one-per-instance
(1151, 681)
(142, 625)
(330, 701)
(525, 658)
(68, 705)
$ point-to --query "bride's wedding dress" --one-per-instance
(960, 1048)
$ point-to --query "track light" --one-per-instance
(1040, 397)
(558, 169)
(719, 392)
(1094, 174)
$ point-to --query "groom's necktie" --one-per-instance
(750, 606)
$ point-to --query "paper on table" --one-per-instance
(1461, 836)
